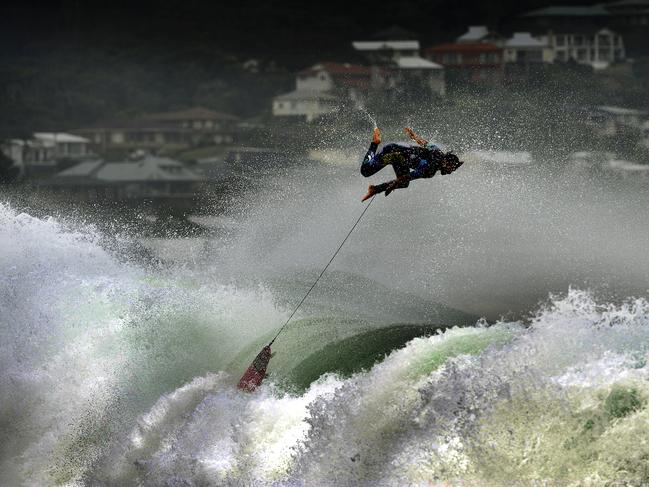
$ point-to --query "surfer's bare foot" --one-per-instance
(371, 191)
(376, 136)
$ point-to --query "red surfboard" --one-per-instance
(255, 374)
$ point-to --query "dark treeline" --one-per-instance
(70, 62)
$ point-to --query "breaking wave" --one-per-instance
(115, 373)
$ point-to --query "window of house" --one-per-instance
(117, 138)
(560, 40)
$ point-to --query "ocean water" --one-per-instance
(116, 371)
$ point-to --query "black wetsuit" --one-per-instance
(408, 161)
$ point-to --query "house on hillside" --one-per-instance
(577, 34)
(397, 65)
(523, 49)
(417, 75)
(163, 131)
(475, 63)
(199, 119)
(343, 79)
(158, 181)
(306, 105)
(41, 154)
(525, 56)
(631, 19)
(321, 89)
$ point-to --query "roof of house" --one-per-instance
(298, 95)
(150, 168)
(56, 137)
(194, 113)
(83, 169)
(594, 11)
(132, 124)
(524, 39)
(345, 69)
(416, 62)
(464, 47)
(475, 33)
(385, 45)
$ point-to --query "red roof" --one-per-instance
(463, 47)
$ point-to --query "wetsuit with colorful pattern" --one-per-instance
(408, 161)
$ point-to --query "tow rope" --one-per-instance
(256, 372)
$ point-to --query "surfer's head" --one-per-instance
(450, 163)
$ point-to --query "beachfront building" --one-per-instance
(156, 181)
(398, 67)
(631, 18)
(418, 75)
(321, 89)
(469, 63)
(163, 131)
(577, 34)
(523, 49)
(305, 104)
(41, 154)
(197, 119)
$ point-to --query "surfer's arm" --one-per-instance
(411, 133)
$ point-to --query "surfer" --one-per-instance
(408, 162)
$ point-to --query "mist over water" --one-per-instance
(116, 372)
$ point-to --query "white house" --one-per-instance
(598, 49)
(308, 104)
(578, 33)
(39, 154)
(522, 48)
(414, 71)
(343, 78)
(321, 88)
(64, 145)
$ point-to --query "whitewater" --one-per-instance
(120, 371)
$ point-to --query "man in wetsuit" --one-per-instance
(408, 162)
